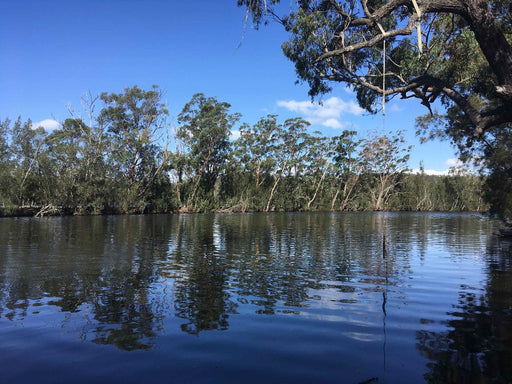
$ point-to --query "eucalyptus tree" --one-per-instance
(27, 146)
(251, 162)
(498, 183)
(420, 188)
(295, 140)
(28, 174)
(176, 169)
(465, 188)
(136, 123)
(384, 158)
(347, 167)
(254, 145)
(426, 54)
(205, 126)
(63, 151)
(319, 163)
(4, 145)
(288, 154)
(78, 153)
(94, 145)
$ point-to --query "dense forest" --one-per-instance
(121, 156)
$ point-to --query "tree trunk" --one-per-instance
(333, 201)
(493, 43)
(258, 173)
(201, 172)
(274, 187)
(352, 181)
(319, 185)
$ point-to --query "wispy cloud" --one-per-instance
(47, 124)
(453, 163)
(395, 108)
(431, 172)
(328, 113)
(234, 135)
(349, 90)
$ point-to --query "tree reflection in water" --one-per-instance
(125, 281)
(272, 263)
(97, 271)
(201, 296)
(477, 347)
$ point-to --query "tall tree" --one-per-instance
(205, 127)
(78, 153)
(497, 155)
(27, 146)
(6, 165)
(385, 159)
(318, 163)
(136, 122)
(347, 167)
(464, 187)
(289, 154)
(253, 146)
(251, 162)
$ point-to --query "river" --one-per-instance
(255, 298)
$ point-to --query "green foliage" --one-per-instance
(257, 8)
(498, 187)
(253, 150)
(205, 127)
(6, 165)
(450, 52)
(135, 121)
(497, 158)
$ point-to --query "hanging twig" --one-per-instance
(418, 26)
(383, 80)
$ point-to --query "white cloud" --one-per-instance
(431, 172)
(396, 108)
(453, 163)
(327, 113)
(333, 123)
(234, 135)
(349, 90)
(47, 124)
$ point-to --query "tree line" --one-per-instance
(126, 159)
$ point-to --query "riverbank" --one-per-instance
(49, 210)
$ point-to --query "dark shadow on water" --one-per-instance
(98, 269)
(477, 345)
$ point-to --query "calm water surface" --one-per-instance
(255, 298)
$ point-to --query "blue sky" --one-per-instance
(52, 52)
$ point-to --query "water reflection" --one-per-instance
(201, 295)
(477, 345)
(386, 282)
(99, 268)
